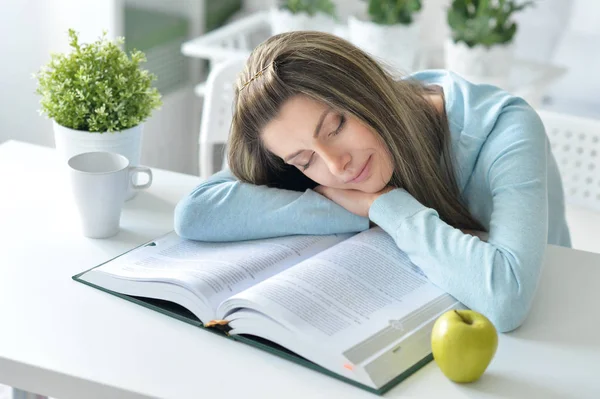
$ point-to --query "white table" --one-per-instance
(67, 340)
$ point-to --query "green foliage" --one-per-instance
(96, 87)
(485, 22)
(392, 12)
(310, 7)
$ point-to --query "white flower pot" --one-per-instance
(128, 142)
(395, 45)
(480, 64)
(284, 21)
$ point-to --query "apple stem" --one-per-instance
(461, 316)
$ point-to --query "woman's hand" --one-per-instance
(357, 202)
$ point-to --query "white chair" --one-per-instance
(217, 114)
(575, 143)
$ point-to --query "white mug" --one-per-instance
(99, 181)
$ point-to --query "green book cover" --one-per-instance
(180, 313)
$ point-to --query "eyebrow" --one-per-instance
(315, 135)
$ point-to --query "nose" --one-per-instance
(337, 161)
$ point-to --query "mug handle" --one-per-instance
(134, 170)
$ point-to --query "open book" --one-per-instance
(352, 305)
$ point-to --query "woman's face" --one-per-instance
(335, 150)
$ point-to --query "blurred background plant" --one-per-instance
(391, 12)
(484, 22)
(310, 7)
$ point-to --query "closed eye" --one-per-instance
(340, 126)
(334, 133)
(306, 165)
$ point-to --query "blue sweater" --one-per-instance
(506, 174)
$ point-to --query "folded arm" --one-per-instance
(497, 278)
(225, 209)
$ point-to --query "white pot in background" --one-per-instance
(396, 45)
(283, 20)
(128, 142)
(480, 64)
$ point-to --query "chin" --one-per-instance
(372, 188)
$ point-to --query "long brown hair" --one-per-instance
(331, 70)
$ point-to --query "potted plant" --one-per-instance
(292, 15)
(98, 98)
(481, 47)
(390, 31)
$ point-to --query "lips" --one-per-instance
(363, 172)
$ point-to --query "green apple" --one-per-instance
(463, 343)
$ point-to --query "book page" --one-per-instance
(352, 289)
(214, 271)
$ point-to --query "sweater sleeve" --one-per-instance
(225, 209)
(497, 278)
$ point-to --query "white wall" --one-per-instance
(578, 49)
(25, 49)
